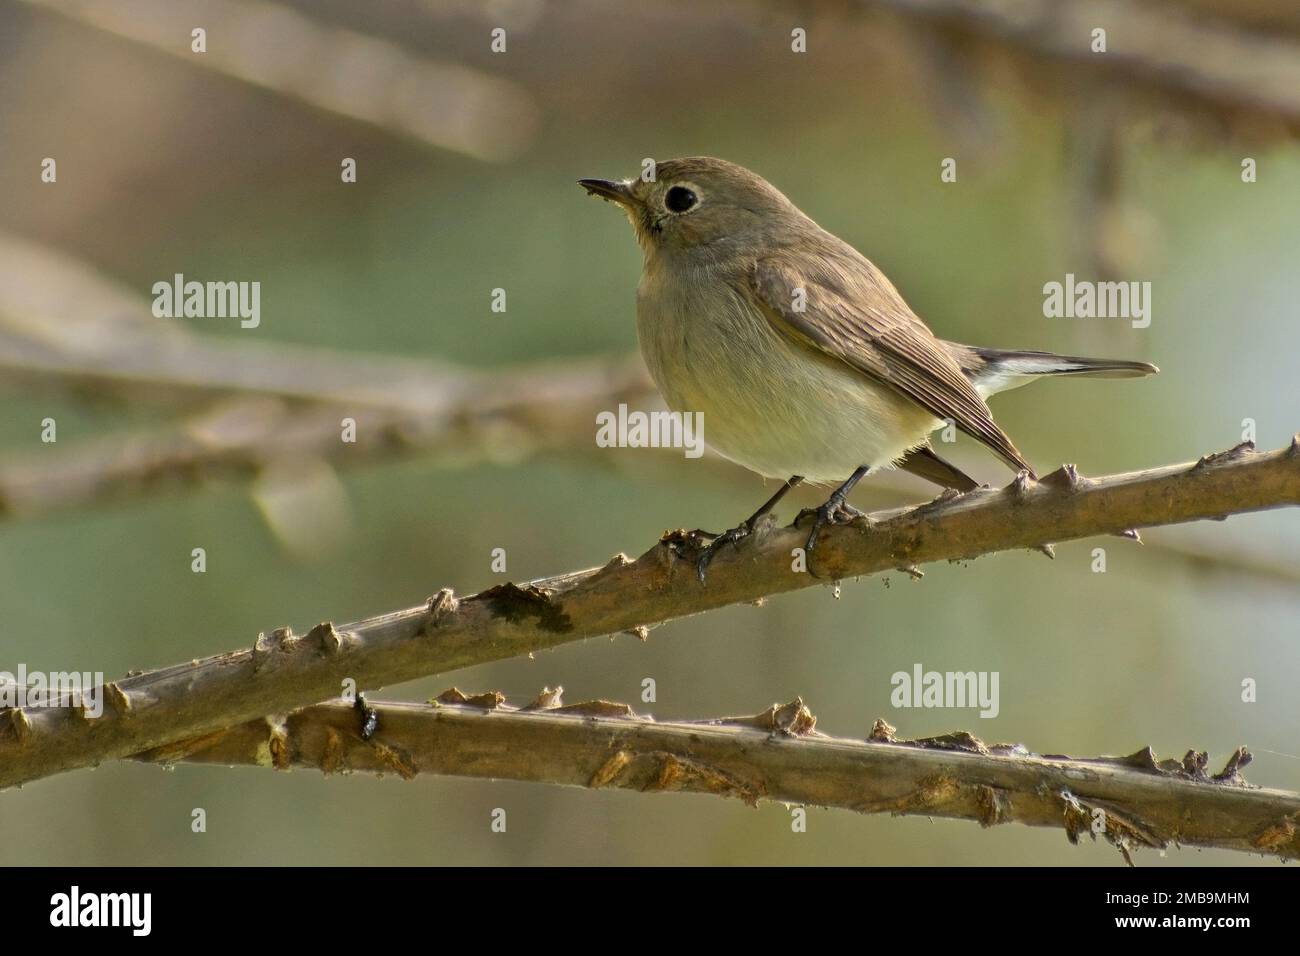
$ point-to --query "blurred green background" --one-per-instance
(165, 167)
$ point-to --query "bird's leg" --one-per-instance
(734, 535)
(836, 510)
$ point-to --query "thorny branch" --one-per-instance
(284, 671)
(777, 755)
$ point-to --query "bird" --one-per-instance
(803, 358)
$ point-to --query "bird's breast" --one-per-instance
(767, 402)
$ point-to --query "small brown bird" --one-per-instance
(804, 360)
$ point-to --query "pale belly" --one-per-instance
(769, 405)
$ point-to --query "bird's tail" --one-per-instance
(996, 370)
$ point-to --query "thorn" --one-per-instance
(619, 560)
(1231, 772)
(962, 740)
(548, 699)
(325, 637)
(1046, 549)
(794, 719)
(938, 502)
(438, 607)
(277, 743)
(640, 632)
(1234, 453)
(912, 571)
(1194, 764)
(514, 604)
(1144, 759)
(1131, 534)
(600, 708)
(788, 720)
(1294, 448)
(1019, 486)
(118, 698)
(882, 732)
(1067, 477)
(675, 538)
(20, 724)
(454, 695)
(262, 648)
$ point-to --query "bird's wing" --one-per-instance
(840, 304)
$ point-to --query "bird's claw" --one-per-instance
(732, 536)
(835, 511)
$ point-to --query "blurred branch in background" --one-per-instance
(283, 671)
(62, 324)
(1209, 51)
(331, 68)
(506, 417)
(777, 755)
(1234, 62)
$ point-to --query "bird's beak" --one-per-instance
(619, 192)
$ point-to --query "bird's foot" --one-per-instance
(732, 536)
(835, 511)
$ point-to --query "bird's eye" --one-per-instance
(679, 199)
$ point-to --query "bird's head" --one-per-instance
(700, 205)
